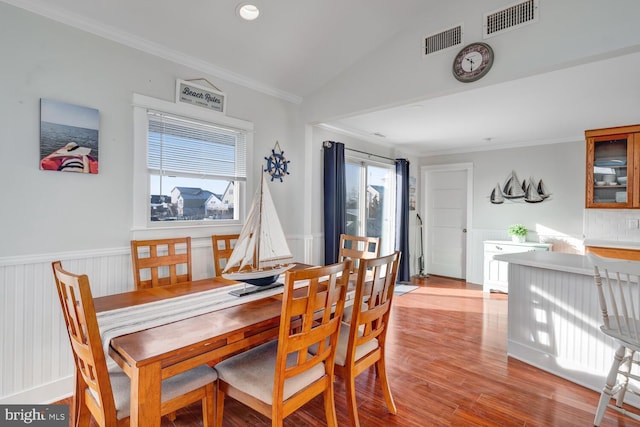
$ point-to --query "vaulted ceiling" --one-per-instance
(297, 47)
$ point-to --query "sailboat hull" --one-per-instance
(258, 277)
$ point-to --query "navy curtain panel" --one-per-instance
(402, 218)
(335, 190)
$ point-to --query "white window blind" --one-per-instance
(187, 147)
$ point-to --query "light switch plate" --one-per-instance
(633, 223)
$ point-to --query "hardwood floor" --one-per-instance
(447, 366)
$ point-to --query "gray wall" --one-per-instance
(569, 32)
(86, 220)
(48, 212)
(557, 220)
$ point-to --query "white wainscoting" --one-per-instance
(36, 365)
(554, 324)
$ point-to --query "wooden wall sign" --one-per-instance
(200, 96)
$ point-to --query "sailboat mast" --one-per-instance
(258, 229)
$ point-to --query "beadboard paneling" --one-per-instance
(36, 365)
(35, 347)
(554, 324)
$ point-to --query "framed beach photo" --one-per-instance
(68, 137)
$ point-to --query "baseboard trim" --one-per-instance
(43, 394)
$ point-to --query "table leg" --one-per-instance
(146, 389)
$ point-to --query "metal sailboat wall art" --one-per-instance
(534, 192)
(530, 191)
(542, 190)
(512, 188)
(496, 195)
(261, 253)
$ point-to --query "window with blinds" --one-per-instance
(194, 168)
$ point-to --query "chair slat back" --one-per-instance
(372, 302)
(84, 335)
(223, 245)
(161, 262)
(618, 285)
(357, 248)
(310, 316)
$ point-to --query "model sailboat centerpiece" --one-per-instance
(261, 253)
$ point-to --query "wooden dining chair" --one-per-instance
(618, 286)
(280, 376)
(357, 248)
(105, 393)
(362, 342)
(223, 245)
(162, 262)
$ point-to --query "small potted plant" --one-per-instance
(518, 233)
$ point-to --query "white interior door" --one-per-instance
(446, 221)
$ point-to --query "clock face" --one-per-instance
(473, 62)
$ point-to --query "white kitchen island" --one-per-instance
(554, 318)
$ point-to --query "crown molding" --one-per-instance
(144, 45)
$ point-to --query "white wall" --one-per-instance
(63, 212)
(568, 32)
(85, 220)
(557, 220)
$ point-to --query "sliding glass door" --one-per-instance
(371, 199)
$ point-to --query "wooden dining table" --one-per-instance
(151, 355)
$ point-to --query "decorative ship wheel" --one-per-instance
(277, 164)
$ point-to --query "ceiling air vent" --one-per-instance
(442, 40)
(510, 18)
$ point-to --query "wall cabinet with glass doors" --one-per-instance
(613, 167)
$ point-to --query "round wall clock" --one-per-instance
(473, 62)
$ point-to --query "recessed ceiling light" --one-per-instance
(248, 12)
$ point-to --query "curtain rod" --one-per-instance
(369, 154)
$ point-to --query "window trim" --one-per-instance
(141, 191)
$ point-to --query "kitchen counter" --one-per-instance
(554, 318)
(617, 244)
(613, 249)
(558, 261)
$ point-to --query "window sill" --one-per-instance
(188, 229)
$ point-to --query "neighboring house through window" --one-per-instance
(190, 164)
(370, 200)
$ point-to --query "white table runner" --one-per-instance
(122, 321)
